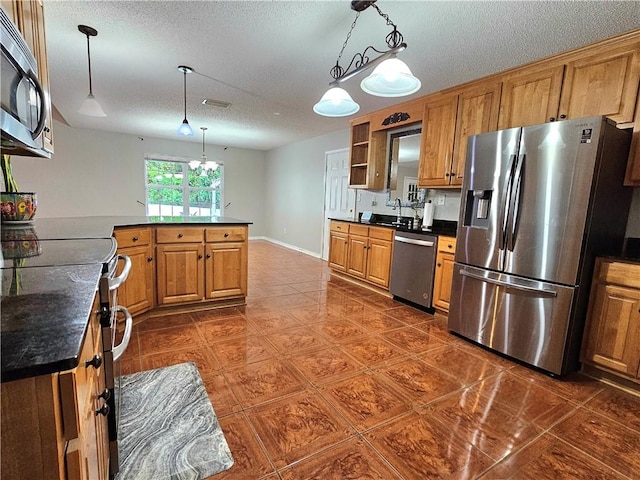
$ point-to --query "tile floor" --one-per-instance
(316, 378)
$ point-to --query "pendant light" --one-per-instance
(203, 163)
(90, 106)
(391, 77)
(185, 128)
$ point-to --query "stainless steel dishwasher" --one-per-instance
(412, 267)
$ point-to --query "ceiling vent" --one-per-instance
(216, 103)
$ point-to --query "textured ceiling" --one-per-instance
(271, 59)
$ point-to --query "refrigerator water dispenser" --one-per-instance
(477, 208)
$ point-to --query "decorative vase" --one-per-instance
(18, 206)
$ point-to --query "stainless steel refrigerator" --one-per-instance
(538, 204)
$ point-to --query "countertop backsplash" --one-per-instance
(367, 200)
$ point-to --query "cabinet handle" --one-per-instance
(135, 239)
(439, 264)
(103, 410)
(199, 256)
(563, 115)
(449, 246)
(552, 119)
(95, 362)
(446, 174)
(106, 394)
(226, 234)
(180, 235)
(453, 174)
(149, 259)
(208, 255)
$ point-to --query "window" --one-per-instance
(174, 189)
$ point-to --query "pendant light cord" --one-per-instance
(185, 94)
(89, 57)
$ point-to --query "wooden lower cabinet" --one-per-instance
(138, 292)
(180, 273)
(444, 272)
(51, 428)
(361, 251)
(612, 334)
(226, 270)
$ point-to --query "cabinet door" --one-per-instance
(442, 281)
(602, 84)
(379, 262)
(338, 250)
(180, 273)
(137, 292)
(357, 256)
(226, 270)
(614, 329)
(436, 151)
(477, 113)
(530, 97)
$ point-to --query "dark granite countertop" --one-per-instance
(50, 274)
(439, 228)
(45, 313)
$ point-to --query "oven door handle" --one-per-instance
(119, 349)
(120, 279)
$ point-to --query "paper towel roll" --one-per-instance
(427, 217)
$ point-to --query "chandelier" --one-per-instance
(203, 163)
(391, 77)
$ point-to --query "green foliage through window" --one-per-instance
(176, 189)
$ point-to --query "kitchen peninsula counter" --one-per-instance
(445, 228)
(47, 296)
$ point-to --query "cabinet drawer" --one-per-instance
(381, 233)
(339, 226)
(179, 235)
(131, 237)
(620, 273)
(226, 234)
(359, 230)
(447, 244)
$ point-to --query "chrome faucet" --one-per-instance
(399, 202)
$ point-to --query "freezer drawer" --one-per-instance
(525, 319)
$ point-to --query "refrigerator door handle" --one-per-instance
(502, 283)
(504, 209)
(514, 210)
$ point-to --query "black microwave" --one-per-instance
(24, 104)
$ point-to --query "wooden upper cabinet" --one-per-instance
(530, 97)
(477, 113)
(604, 83)
(438, 129)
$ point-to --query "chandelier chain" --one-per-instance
(344, 45)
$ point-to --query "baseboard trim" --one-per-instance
(287, 245)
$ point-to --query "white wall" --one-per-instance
(102, 173)
(294, 201)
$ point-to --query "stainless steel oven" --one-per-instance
(110, 313)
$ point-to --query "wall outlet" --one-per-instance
(359, 196)
(284, 230)
(439, 200)
(373, 203)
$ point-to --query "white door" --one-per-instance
(339, 200)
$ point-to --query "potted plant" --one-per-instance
(15, 206)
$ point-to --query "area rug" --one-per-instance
(167, 427)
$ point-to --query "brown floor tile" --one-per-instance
(532, 403)
(380, 302)
(409, 315)
(315, 314)
(198, 354)
(419, 382)
(249, 459)
(165, 321)
(438, 329)
(549, 458)
(215, 314)
(365, 400)
(296, 340)
(271, 291)
(618, 405)
(421, 448)
(298, 426)
(273, 321)
(412, 340)
(372, 350)
(349, 307)
(225, 328)
(575, 387)
(485, 424)
(352, 459)
(222, 398)
(263, 381)
(242, 351)
(340, 330)
(462, 365)
(477, 351)
(325, 364)
(314, 286)
(128, 366)
(599, 436)
(376, 321)
(166, 339)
